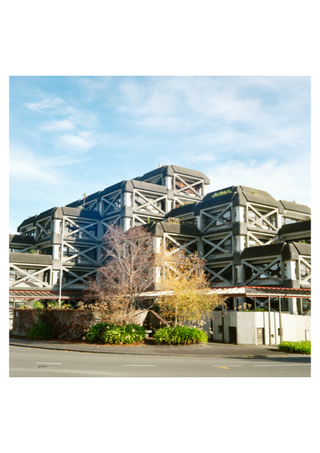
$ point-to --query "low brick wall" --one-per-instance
(65, 324)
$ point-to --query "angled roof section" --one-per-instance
(302, 248)
(169, 170)
(57, 213)
(32, 220)
(290, 206)
(259, 196)
(188, 172)
(84, 200)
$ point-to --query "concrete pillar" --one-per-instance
(238, 271)
(56, 226)
(240, 241)
(127, 199)
(290, 267)
(168, 182)
(55, 251)
(239, 214)
(127, 223)
(199, 222)
(292, 304)
(55, 275)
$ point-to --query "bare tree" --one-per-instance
(128, 272)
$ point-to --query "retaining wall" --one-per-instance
(65, 324)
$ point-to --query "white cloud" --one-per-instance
(81, 142)
(246, 113)
(26, 166)
(284, 181)
(45, 104)
(56, 125)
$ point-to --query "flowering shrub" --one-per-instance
(180, 335)
(113, 334)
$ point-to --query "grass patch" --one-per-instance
(222, 192)
(300, 347)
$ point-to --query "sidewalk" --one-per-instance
(208, 350)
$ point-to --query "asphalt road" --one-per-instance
(31, 362)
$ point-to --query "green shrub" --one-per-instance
(301, 347)
(113, 334)
(180, 335)
(55, 304)
(41, 332)
(94, 335)
(38, 304)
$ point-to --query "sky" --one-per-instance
(71, 135)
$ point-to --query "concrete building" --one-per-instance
(249, 239)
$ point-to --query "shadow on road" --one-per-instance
(295, 359)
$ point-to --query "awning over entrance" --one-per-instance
(261, 291)
(244, 291)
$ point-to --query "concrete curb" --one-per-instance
(208, 350)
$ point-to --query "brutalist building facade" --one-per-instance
(248, 238)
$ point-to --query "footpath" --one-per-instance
(208, 350)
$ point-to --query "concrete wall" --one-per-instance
(295, 327)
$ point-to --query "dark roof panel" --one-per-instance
(148, 186)
(295, 227)
(161, 227)
(151, 173)
(185, 209)
(19, 239)
(30, 258)
(77, 212)
(263, 250)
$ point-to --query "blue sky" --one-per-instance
(72, 134)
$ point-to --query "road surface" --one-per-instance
(31, 362)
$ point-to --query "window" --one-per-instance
(192, 221)
(288, 220)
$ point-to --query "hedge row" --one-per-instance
(300, 347)
(106, 333)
